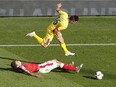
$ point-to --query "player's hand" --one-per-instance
(59, 5)
(38, 76)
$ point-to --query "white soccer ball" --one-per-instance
(99, 75)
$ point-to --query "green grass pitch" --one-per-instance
(89, 30)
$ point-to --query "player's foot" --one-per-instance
(69, 54)
(79, 68)
(31, 34)
(72, 63)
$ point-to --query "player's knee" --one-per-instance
(55, 60)
(59, 63)
(45, 46)
(61, 40)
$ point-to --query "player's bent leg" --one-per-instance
(39, 39)
(63, 46)
(33, 34)
(44, 42)
(47, 40)
(68, 67)
(57, 62)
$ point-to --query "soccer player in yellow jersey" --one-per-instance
(60, 23)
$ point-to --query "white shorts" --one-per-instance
(46, 67)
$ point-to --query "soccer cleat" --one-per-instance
(79, 68)
(69, 54)
(72, 63)
(31, 34)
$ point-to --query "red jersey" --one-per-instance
(28, 67)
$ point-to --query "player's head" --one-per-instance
(15, 64)
(73, 19)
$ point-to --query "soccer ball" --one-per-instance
(99, 75)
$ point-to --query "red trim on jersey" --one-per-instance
(43, 66)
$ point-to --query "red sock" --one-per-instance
(69, 67)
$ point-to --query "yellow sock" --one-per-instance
(63, 45)
(39, 39)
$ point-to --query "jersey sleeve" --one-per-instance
(61, 22)
(62, 13)
(23, 68)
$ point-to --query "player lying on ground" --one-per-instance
(60, 23)
(45, 67)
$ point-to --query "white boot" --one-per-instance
(79, 68)
(72, 63)
(31, 34)
(69, 54)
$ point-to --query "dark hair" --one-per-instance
(74, 17)
(13, 65)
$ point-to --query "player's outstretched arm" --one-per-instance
(59, 5)
(32, 74)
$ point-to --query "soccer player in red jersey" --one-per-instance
(46, 67)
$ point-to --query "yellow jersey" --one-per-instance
(60, 23)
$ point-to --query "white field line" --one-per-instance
(31, 45)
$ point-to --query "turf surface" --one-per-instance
(89, 30)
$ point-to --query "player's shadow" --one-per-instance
(90, 77)
(11, 59)
(6, 69)
(7, 58)
(17, 59)
(9, 70)
(86, 71)
(60, 70)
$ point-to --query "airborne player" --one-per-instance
(53, 30)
